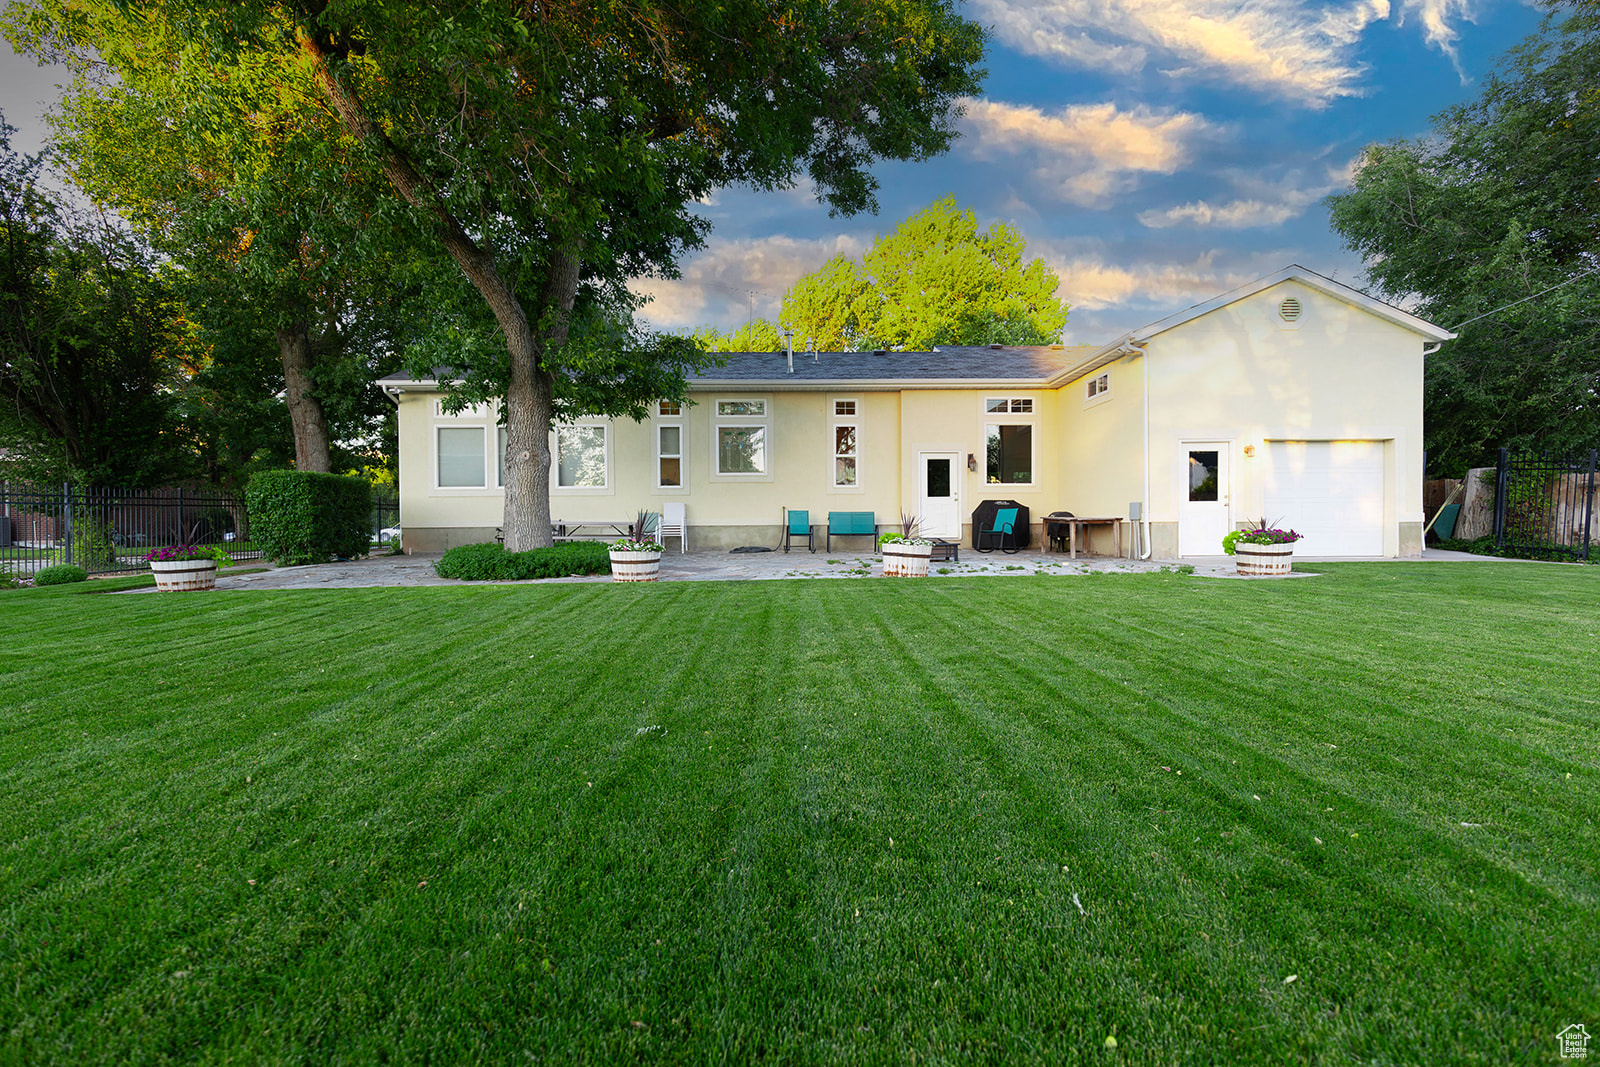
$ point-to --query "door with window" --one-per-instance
(1204, 512)
(940, 495)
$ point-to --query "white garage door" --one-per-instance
(1330, 491)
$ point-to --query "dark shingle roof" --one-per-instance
(971, 362)
(975, 363)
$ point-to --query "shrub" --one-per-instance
(491, 562)
(60, 574)
(305, 517)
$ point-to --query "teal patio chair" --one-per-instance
(799, 526)
(994, 536)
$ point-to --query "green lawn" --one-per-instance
(1341, 819)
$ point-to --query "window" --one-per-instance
(740, 438)
(1017, 405)
(581, 456)
(1010, 454)
(670, 409)
(460, 451)
(846, 434)
(1097, 390)
(500, 457)
(741, 450)
(669, 455)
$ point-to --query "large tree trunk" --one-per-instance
(530, 392)
(311, 450)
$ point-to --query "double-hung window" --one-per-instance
(741, 438)
(1009, 440)
(846, 435)
(669, 444)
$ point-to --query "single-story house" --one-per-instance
(1293, 399)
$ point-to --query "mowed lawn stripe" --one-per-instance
(592, 822)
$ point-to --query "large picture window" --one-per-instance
(460, 457)
(1010, 454)
(741, 438)
(581, 457)
(741, 450)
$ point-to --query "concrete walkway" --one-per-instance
(414, 570)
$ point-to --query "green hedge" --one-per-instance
(305, 517)
(60, 574)
(492, 563)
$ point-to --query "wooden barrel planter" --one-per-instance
(902, 560)
(635, 566)
(183, 575)
(1263, 561)
(914, 560)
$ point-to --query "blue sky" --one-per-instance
(1154, 152)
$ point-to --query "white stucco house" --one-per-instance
(1294, 398)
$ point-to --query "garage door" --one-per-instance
(1330, 491)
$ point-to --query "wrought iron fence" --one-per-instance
(385, 519)
(105, 531)
(1544, 508)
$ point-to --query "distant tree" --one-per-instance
(1493, 223)
(757, 335)
(935, 279)
(551, 152)
(92, 339)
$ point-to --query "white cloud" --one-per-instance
(1435, 17)
(1262, 203)
(1299, 49)
(1085, 154)
(722, 283)
(1090, 283)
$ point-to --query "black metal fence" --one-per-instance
(385, 518)
(105, 531)
(1545, 508)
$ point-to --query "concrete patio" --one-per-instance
(417, 570)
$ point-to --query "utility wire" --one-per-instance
(1525, 299)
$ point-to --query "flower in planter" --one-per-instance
(1259, 534)
(629, 545)
(173, 553)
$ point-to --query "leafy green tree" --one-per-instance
(757, 335)
(262, 261)
(551, 151)
(935, 279)
(91, 340)
(1491, 227)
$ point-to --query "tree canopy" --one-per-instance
(933, 280)
(1492, 224)
(550, 152)
(92, 341)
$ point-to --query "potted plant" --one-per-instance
(180, 568)
(904, 554)
(637, 557)
(1260, 549)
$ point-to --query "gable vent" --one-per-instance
(1290, 309)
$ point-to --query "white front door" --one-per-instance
(940, 506)
(1204, 515)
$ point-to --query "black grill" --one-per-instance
(983, 516)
